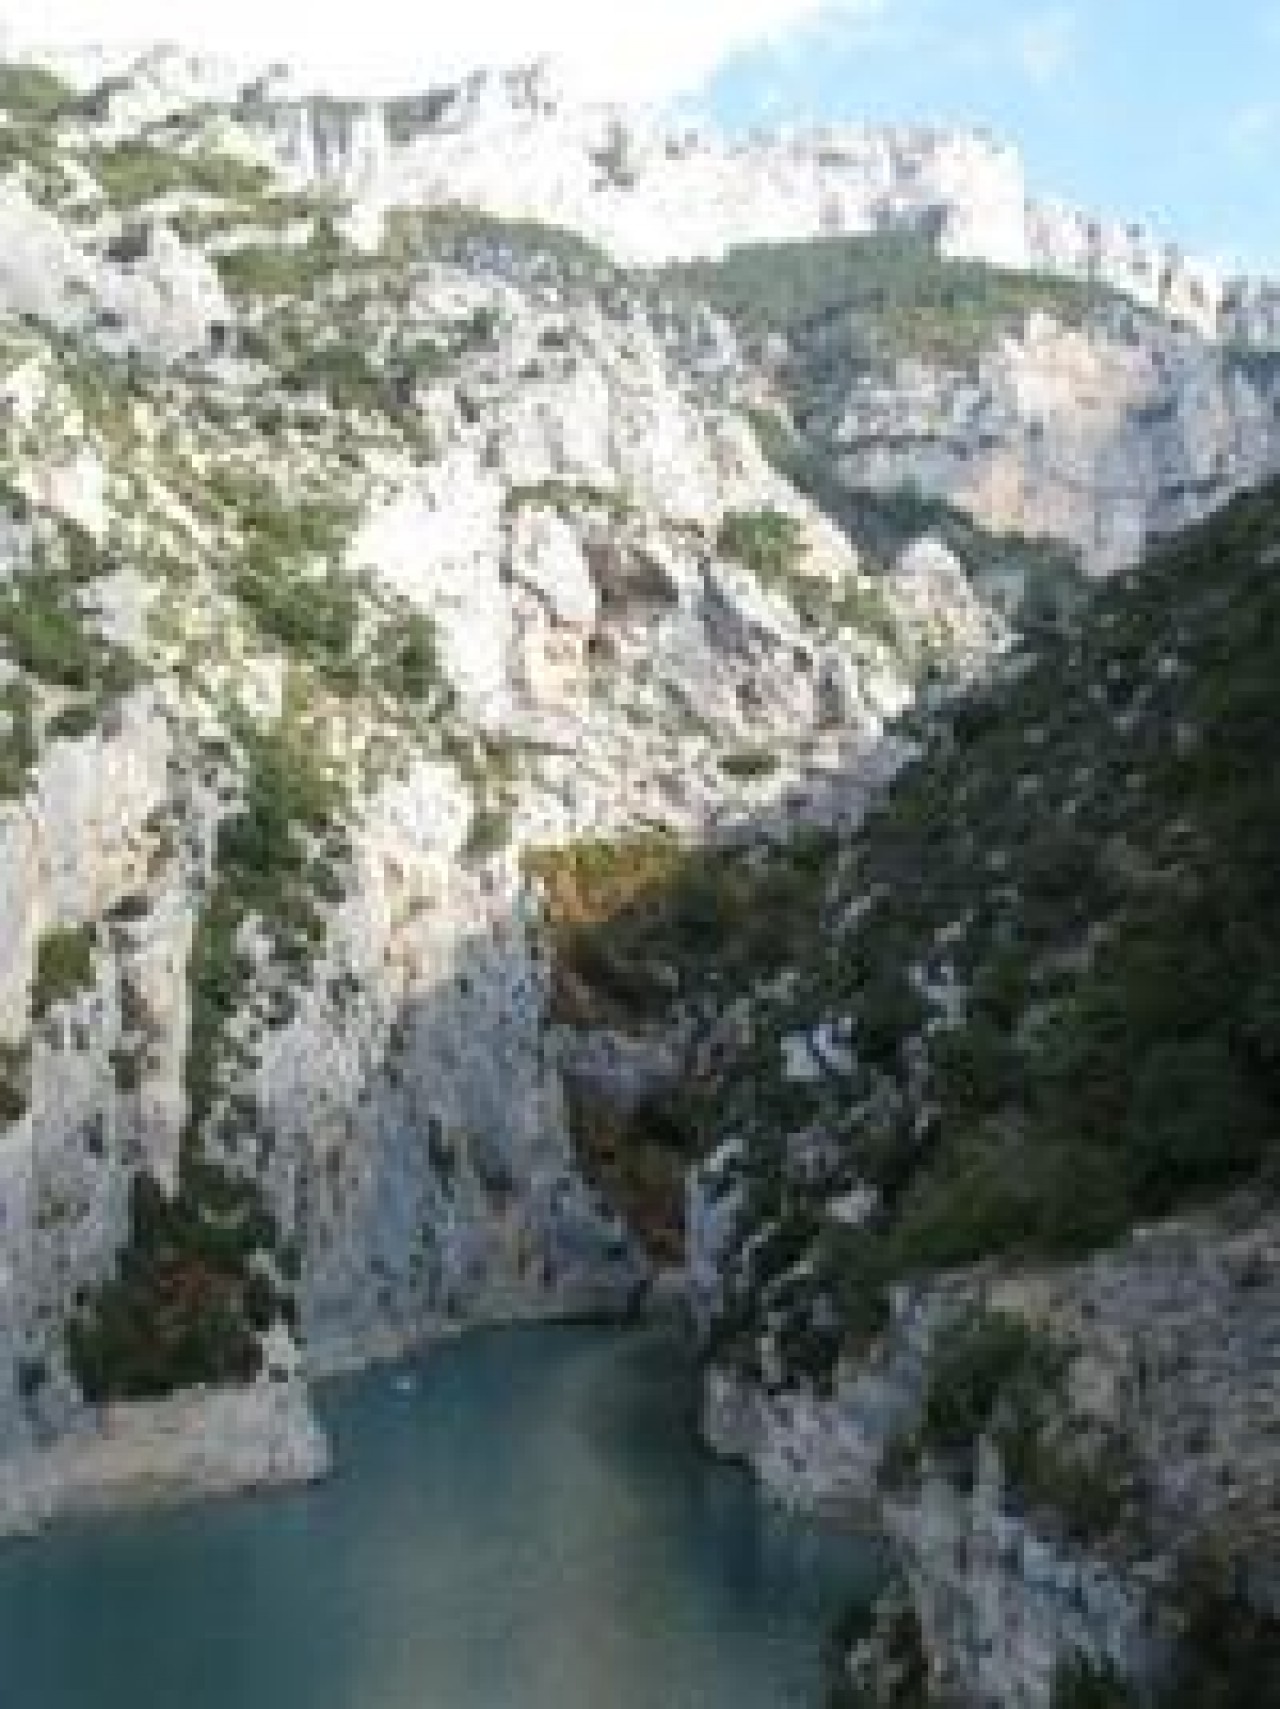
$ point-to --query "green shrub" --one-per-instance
(17, 738)
(74, 722)
(1082, 1684)
(265, 866)
(32, 92)
(568, 498)
(406, 658)
(989, 1371)
(1228, 1653)
(461, 233)
(288, 574)
(64, 967)
(311, 613)
(134, 172)
(46, 633)
(48, 637)
(343, 371)
(15, 1067)
(282, 270)
(883, 296)
(749, 764)
(189, 1298)
(489, 832)
(242, 206)
(768, 543)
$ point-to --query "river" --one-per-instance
(520, 1519)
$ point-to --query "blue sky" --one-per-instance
(1162, 110)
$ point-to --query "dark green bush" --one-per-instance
(888, 295)
(1228, 1655)
(32, 92)
(15, 1068)
(749, 764)
(189, 1298)
(282, 270)
(64, 967)
(989, 1372)
(407, 660)
(1082, 1684)
(17, 738)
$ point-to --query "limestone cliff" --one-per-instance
(386, 542)
(332, 581)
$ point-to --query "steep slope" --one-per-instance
(526, 144)
(1036, 404)
(331, 577)
(442, 672)
(1022, 1015)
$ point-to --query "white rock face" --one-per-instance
(649, 194)
(162, 305)
(439, 546)
(937, 601)
(148, 87)
(811, 1454)
(72, 850)
(148, 1454)
(1103, 441)
(1000, 1631)
(1251, 314)
(401, 1102)
(526, 145)
(547, 558)
(1165, 1349)
(76, 489)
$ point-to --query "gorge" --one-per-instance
(590, 712)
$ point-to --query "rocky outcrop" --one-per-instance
(197, 1445)
(1002, 1605)
(648, 192)
(160, 304)
(1104, 440)
(1173, 1347)
(812, 1454)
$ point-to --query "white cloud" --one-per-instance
(1046, 46)
(651, 50)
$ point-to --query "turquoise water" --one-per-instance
(520, 1520)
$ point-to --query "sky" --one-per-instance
(1164, 111)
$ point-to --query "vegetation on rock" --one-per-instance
(1051, 944)
(64, 967)
(195, 1288)
(886, 295)
(767, 542)
(270, 872)
(134, 172)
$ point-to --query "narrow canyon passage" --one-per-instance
(519, 1519)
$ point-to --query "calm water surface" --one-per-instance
(520, 1520)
